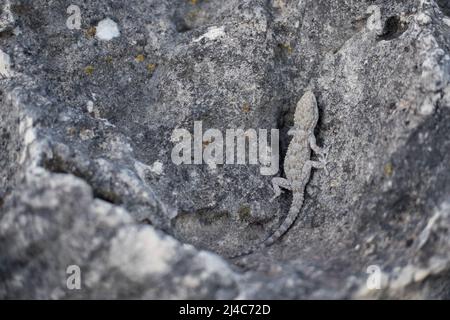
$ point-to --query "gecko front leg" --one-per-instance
(277, 184)
(322, 152)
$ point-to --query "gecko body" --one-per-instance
(297, 165)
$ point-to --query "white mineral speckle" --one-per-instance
(429, 105)
(423, 19)
(212, 34)
(90, 106)
(141, 169)
(107, 29)
(157, 167)
(5, 65)
(446, 21)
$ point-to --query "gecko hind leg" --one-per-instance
(277, 184)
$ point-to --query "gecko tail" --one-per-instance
(288, 222)
(241, 254)
(249, 251)
(296, 205)
(246, 252)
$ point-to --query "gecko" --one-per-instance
(297, 165)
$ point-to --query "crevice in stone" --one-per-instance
(444, 5)
(56, 165)
(146, 222)
(6, 34)
(181, 26)
(393, 28)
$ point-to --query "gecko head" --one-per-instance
(307, 113)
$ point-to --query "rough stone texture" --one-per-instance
(86, 176)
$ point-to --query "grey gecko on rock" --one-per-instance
(297, 165)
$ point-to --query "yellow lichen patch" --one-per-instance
(244, 212)
(140, 58)
(71, 131)
(151, 67)
(246, 108)
(388, 169)
(86, 134)
(109, 59)
(89, 70)
(287, 47)
(193, 2)
(90, 32)
(192, 15)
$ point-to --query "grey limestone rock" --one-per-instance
(86, 176)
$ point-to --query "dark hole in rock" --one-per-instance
(57, 165)
(409, 242)
(445, 6)
(394, 27)
(6, 34)
(181, 25)
(146, 222)
(107, 196)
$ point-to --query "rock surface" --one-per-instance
(86, 176)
